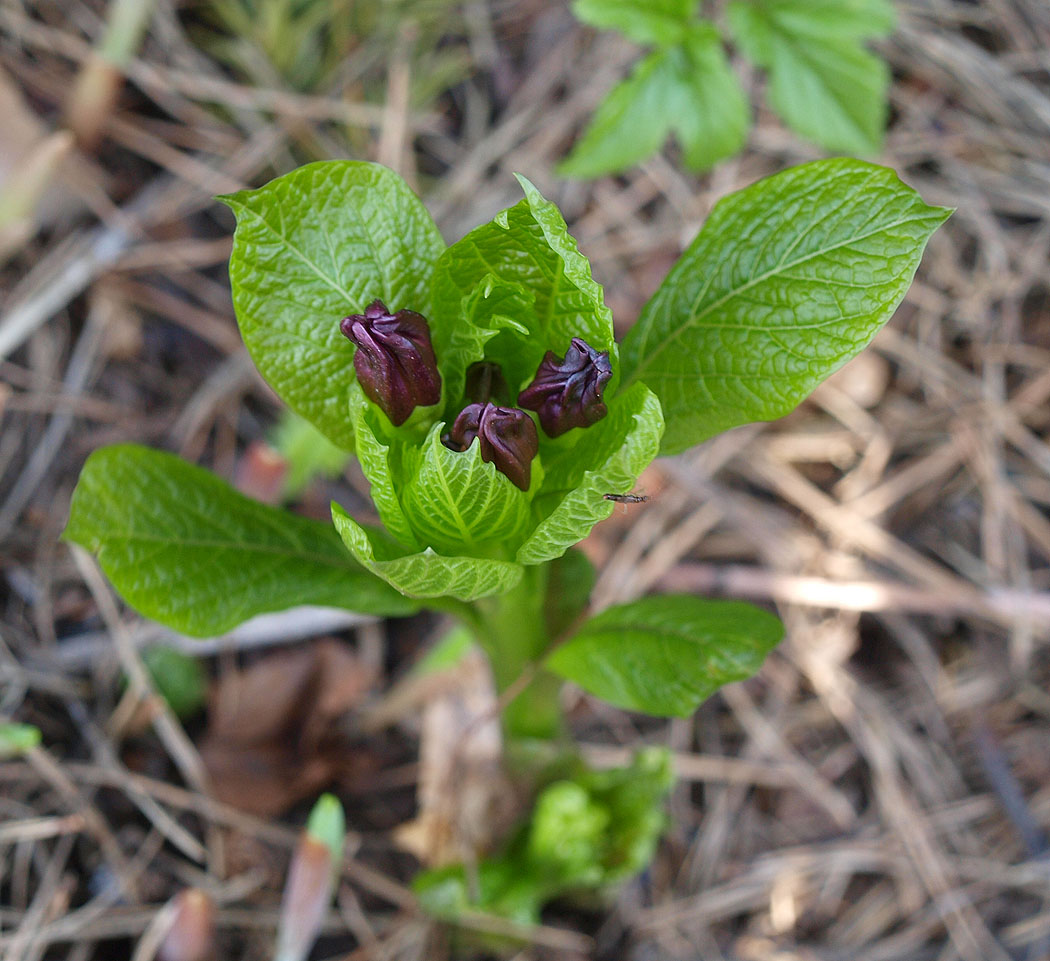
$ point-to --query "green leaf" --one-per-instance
(607, 459)
(186, 549)
(660, 23)
(787, 280)
(457, 503)
(689, 89)
(713, 116)
(666, 654)
(425, 573)
(465, 329)
(551, 294)
(380, 459)
(631, 123)
(311, 247)
(822, 81)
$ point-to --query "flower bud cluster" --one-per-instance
(398, 371)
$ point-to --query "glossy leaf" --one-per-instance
(460, 504)
(186, 549)
(787, 280)
(607, 459)
(666, 654)
(552, 296)
(425, 574)
(310, 248)
(822, 81)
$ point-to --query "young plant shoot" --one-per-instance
(821, 79)
(497, 420)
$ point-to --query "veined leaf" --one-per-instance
(186, 549)
(787, 280)
(551, 295)
(458, 503)
(660, 23)
(310, 248)
(379, 460)
(666, 654)
(425, 574)
(822, 81)
(607, 459)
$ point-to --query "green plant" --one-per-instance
(823, 83)
(494, 414)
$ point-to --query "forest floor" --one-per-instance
(880, 792)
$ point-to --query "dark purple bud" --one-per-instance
(568, 393)
(485, 382)
(507, 436)
(394, 359)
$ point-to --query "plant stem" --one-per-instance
(512, 629)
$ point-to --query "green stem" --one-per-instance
(512, 629)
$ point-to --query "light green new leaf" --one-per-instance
(186, 549)
(659, 23)
(822, 81)
(666, 654)
(787, 280)
(457, 502)
(311, 247)
(552, 296)
(712, 117)
(631, 123)
(379, 460)
(425, 574)
(607, 459)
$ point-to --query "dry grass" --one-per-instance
(880, 792)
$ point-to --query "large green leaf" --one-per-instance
(666, 654)
(311, 247)
(457, 503)
(787, 280)
(822, 81)
(425, 574)
(186, 549)
(661, 23)
(607, 459)
(550, 292)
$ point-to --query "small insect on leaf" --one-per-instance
(627, 498)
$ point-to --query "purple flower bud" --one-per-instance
(394, 359)
(568, 393)
(485, 382)
(507, 436)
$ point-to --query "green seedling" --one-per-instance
(311, 880)
(178, 678)
(822, 81)
(17, 740)
(493, 412)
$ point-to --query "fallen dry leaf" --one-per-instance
(272, 739)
